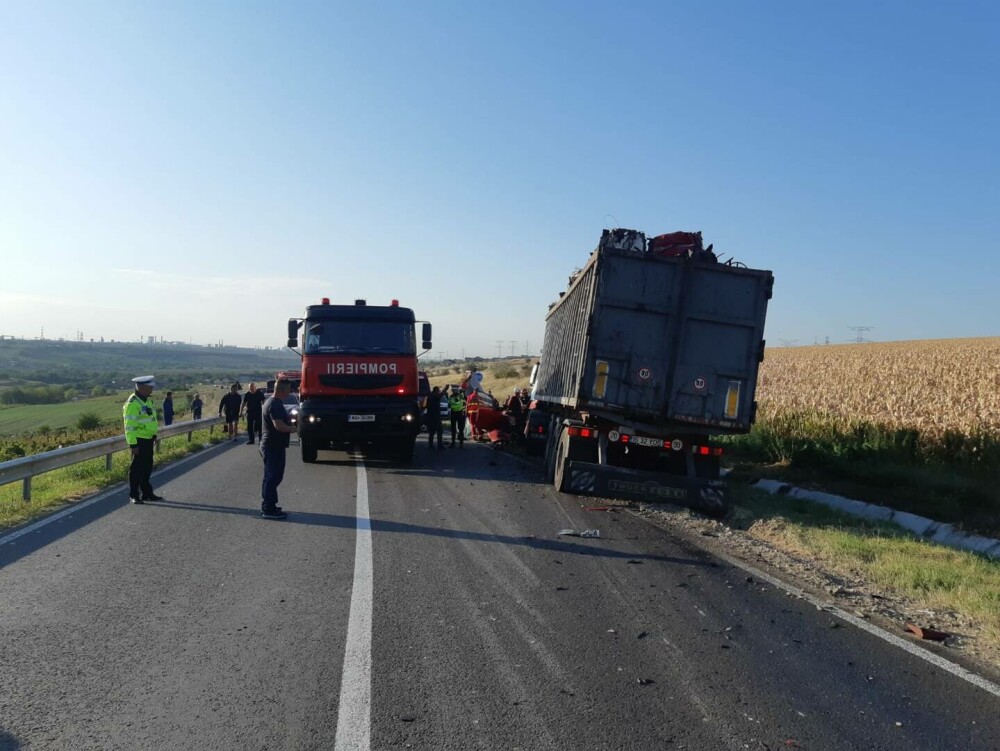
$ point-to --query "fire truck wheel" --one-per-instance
(309, 450)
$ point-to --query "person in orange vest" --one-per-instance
(472, 412)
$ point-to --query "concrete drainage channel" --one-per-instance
(927, 529)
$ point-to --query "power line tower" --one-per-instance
(860, 330)
(787, 342)
(527, 347)
(499, 347)
(511, 343)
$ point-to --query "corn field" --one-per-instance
(941, 395)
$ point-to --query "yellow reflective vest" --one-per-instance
(457, 403)
(140, 418)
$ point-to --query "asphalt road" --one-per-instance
(192, 623)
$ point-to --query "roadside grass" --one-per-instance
(884, 555)
(28, 418)
(25, 418)
(69, 484)
(949, 478)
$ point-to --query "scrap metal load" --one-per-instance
(654, 347)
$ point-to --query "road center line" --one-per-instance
(354, 715)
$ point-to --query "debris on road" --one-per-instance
(584, 533)
(927, 633)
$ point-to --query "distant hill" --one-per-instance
(64, 362)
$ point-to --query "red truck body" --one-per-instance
(359, 377)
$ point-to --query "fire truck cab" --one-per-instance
(359, 377)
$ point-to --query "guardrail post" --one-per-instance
(107, 462)
(26, 491)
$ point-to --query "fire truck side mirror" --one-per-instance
(426, 335)
(293, 332)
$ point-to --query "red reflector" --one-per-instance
(708, 450)
(541, 428)
(326, 300)
(624, 438)
(395, 303)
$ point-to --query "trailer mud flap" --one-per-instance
(707, 496)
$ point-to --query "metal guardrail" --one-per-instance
(28, 466)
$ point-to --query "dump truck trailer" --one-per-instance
(646, 356)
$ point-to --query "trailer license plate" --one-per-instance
(361, 418)
(640, 440)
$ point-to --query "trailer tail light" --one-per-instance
(707, 450)
(401, 390)
(326, 300)
(541, 429)
(578, 432)
(625, 437)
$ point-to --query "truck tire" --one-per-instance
(554, 434)
(309, 450)
(560, 475)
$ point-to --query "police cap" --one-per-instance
(144, 381)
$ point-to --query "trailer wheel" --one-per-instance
(553, 436)
(561, 463)
(309, 450)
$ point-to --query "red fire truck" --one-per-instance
(359, 377)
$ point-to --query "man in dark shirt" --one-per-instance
(273, 444)
(433, 418)
(168, 408)
(230, 404)
(253, 401)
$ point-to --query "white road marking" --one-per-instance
(91, 501)
(354, 716)
(934, 659)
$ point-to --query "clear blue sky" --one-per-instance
(201, 171)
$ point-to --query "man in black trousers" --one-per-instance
(273, 445)
(139, 414)
(253, 402)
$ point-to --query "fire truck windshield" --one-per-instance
(354, 337)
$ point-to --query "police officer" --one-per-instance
(456, 402)
(139, 415)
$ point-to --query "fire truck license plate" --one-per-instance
(361, 418)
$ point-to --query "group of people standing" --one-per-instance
(251, 405)
(266, 417)
(463, 406)
(456, 414)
